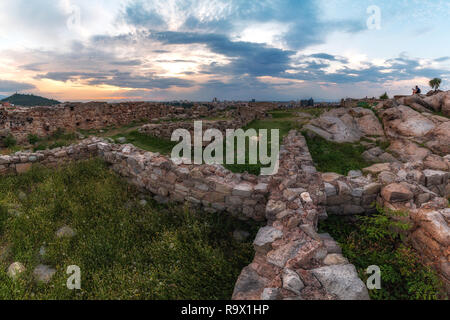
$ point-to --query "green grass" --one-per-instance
(371, 241)
(165, 146)
(125, 250)
(147, 142)
(315, 112)
(58, 139)
(281, 114)
(336, 157)
(284, 125)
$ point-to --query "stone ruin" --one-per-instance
(289, 252)
(292, 261)
(44, 121)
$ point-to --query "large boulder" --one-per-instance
(435, 224)
(346, 125)
(439, 102)
(249, 285)
(342, 281)
(265, 237)
(417, 102)
(396, 192)
(408, 151)
(439, 139)
(367, 122)
(291, 281)
(406, 122)
(339, 130)
(446, 104)
(435, 101)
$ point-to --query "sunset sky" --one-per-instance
(235, 49)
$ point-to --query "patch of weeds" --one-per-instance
(32, 138)
(377, 240)
(336, 157)
(147, 142)
(315, 112)
(383, 144)
(9, 141)
(60, 138)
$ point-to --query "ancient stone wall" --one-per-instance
(43, 121)
(239, 118)
(292, 261)
(412, 188)
(165, 130)
(213, 187)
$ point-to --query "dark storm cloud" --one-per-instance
(247, 58)
(7, 86)
(119, 79)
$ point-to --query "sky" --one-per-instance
(113, 50)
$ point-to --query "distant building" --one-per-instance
(307, 103)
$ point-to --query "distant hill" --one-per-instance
(29, 100)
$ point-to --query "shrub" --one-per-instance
(384, 96)
(33, 139)
(9, 141)
(378, 240)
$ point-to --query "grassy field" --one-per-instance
(336, 157)
(126, 249)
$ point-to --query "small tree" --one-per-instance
(435, 83)
(384, 96)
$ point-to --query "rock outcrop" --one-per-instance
(346, 125)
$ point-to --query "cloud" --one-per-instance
(7, 86)
(136, 13)
(127, 80)
(442, 59)
(246, 57)
(119, 79)
(135, 62)
(228, 17)
(212, 47)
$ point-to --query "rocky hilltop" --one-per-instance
(411, 173)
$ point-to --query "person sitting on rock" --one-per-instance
(417, 90)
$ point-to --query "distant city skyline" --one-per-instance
(269, 50)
